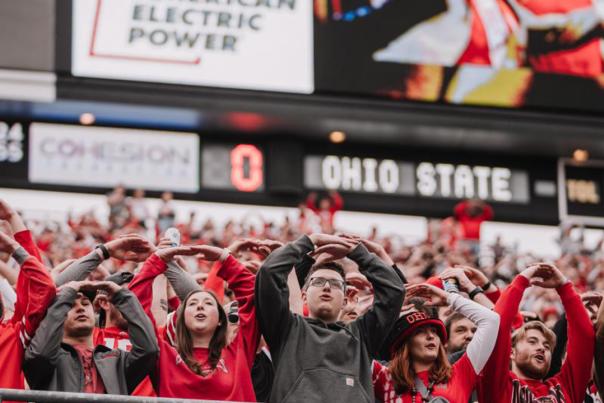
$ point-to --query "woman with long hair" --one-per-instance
(418, 369)
(196, 359)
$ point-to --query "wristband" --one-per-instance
(486, 285)
(475, 292)
(103, 249)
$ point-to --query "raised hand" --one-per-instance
(476, 276)
(457, 273)
(242, 245)
(334, 251)
(207, 252)
(7, 243)
(167, 254)
(130, 247)
(544, 275)
(324, 239)
(433, 296)
(6, 211)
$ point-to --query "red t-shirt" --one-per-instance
(458, 389)
(93, 383)
(115, 338)
(231, 380)
(471, 224)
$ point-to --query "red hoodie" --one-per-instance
(231, 380)
(500, 385)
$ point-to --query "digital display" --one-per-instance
(13, 151)
(581, 186)
(232, 167)
(417, 178)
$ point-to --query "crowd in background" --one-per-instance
(137, 250)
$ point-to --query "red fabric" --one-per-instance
(173, 303)
(25, 239)
(493, 296)
(471, 225)
(93, 383)
(477, 51)
(231, 380)
(116, 338)
(16, 334)
(214, 283)
(458, 389)
(499, 384)
(326, 216)
(585, 60)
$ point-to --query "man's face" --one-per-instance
(80, 318)
(460, 335)
(325, 302)
(532, 355)
(425, 345)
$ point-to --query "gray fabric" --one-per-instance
(182, 283)
(52, 365)
(80, 269)
(20, 255)
(314, 361)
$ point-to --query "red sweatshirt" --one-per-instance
(26, 241)
(458, 389)
(16, 334)
(231, 381)
(471, 225)
(116, 338)
(499, 384)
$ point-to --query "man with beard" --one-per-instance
(460, 331)
(532, 345)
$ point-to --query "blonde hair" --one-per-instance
(534, 325)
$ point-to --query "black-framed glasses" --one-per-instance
(333, 282)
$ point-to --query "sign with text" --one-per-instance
(13, 151)
(420, 178)
(257, 45)
(232, 167)
(105, 157)
(580, 191)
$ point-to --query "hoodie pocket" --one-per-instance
(323, 385)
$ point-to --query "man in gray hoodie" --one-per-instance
(317, 358)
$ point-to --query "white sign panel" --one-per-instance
(248, 44)
(105, 157)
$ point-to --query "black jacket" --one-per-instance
(314, 361)
(52, 365)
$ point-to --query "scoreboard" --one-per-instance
(272, 171)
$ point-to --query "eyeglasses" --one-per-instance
(333, 282)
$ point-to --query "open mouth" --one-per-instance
(540, 358)
(200, 316)
(81, 318)
(326, 297)
(352, 315)
(431, 346)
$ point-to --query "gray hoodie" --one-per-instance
(315, 361)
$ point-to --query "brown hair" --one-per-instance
(534, 325)
(184, 341)
(324, 266)
(403, 375)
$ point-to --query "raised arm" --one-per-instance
(141, 359)
(487, 322)
(389, 293)
(43, 351)
(576, 369)
(272, 292)
(599, 355)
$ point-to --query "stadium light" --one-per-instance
(337, 137)
(87, 119)
(580, 155)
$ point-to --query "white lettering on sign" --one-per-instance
(463, 181)
(582, 191)
(360, 174)
(11, 142)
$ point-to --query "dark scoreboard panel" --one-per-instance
(276, 172)
(581, 186)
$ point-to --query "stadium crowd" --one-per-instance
(298, 312)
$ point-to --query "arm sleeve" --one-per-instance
(560, 349)
(141, 359)
(42, 353)
(80, 269)
(337, 202)
(241, 281)
(487, 322)
(302, 268)
(487, 212)
(460, 209)
(26, 241)
(496, 371)
(215, 283)
(389, 293)
(493, 296)
(272, 292)
(42, 292)
(142, 284)
(576, 370)
(182, 283)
